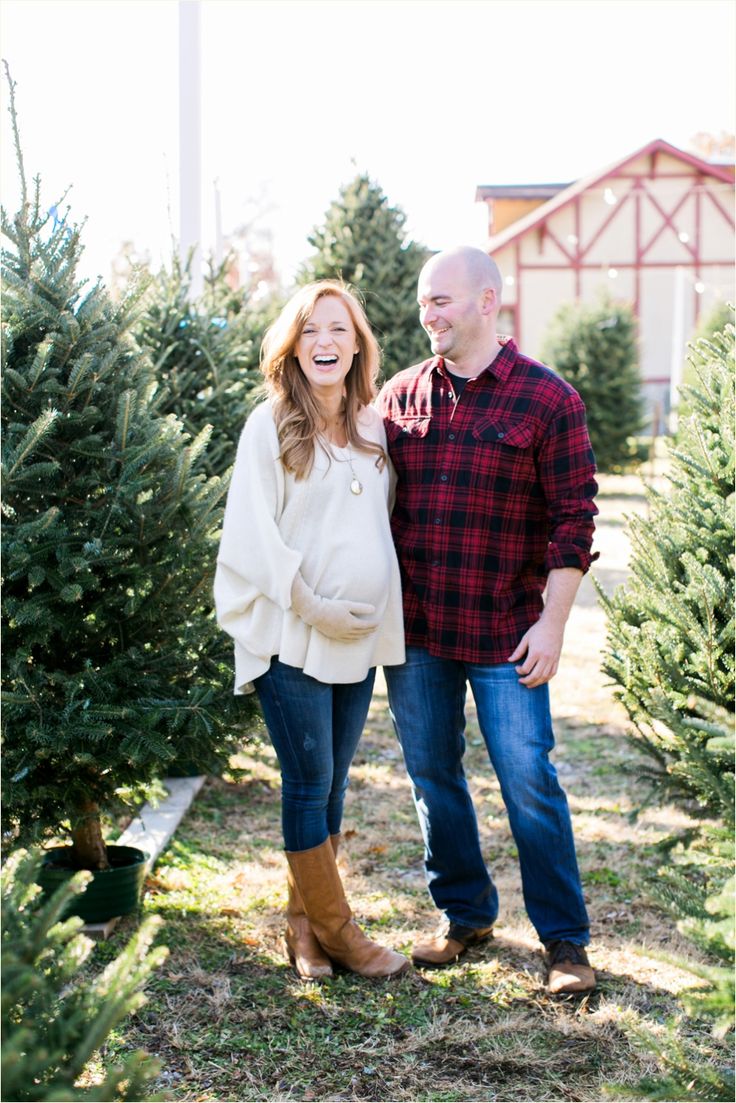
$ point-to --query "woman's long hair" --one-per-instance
(297, 413)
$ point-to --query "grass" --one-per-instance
(230, 1021)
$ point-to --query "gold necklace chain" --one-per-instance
(356, 486)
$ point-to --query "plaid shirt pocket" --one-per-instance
(514, 434)
(407, 428)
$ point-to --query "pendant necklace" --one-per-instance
(356, 486)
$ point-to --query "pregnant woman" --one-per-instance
(307, 584)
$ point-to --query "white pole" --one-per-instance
(219, 243)
(678, 343)
(190, 141)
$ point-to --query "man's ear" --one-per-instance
(489, 301)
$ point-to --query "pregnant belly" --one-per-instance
(364, 576)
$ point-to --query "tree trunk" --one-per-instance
(87, 842)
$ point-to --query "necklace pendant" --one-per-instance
(356, 487)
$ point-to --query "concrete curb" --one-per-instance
(151, 831)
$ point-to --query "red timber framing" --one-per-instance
(638, 199)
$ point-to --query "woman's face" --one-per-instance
(327, 345)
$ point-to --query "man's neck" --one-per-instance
(470, 366)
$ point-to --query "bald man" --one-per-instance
(494, 507)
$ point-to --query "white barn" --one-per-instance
(654, 229)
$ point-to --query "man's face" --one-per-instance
(450, 309)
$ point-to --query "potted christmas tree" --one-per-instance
(112, 663)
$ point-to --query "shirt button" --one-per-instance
(438, 520)
(435, 562)
(450, 394)
(451, 436)
(501, 436)
(443, 478)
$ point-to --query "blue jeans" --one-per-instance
(427, 702)
(315, 729)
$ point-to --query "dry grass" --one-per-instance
(231, 1022)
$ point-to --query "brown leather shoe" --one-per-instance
(447, 945)
(569, 968)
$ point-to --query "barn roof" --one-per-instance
(569, 194)
(518, 191)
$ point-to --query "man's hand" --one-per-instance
(541, 645)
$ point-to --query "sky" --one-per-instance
(429, 97)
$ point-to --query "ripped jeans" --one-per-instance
(315, 729)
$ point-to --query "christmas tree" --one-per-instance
(709, 325)
(594, 348)
(112, 663)
(55, 1014)
(670, 653)
(671, 631)
(205, 355)
(363, 242)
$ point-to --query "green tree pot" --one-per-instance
(111, 892)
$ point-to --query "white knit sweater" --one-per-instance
(276, 525)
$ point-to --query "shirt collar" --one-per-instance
(500, 367)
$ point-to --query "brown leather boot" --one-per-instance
(317, 878)
(302, 948)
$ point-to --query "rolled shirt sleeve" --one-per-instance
(567, 474)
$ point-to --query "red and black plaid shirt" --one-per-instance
(495, 489)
